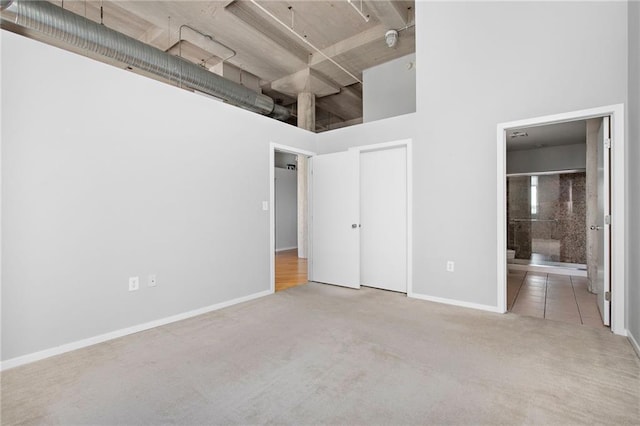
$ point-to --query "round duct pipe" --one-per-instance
(83, 33)
(5, 4)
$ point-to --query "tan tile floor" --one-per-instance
(551, 296)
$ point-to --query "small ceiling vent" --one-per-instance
(518, 134)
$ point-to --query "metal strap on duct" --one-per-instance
(81, 32)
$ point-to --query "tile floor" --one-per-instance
(551, 296)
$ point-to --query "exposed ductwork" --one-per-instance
(5, 4)
(81, 32)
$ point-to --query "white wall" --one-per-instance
(107, 175)
(286, 188)
(389, 89)
(633, 300)
(391, 129)
(466, 85)
(548, 159)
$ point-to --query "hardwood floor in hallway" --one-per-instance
(291, 270)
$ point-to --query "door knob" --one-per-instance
(595, 227)
(354, 225)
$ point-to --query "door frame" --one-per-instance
(273, 147)
(618, 190)
(407, 143)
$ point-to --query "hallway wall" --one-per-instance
(286, 199)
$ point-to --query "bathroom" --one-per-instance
(554, 193)
(547, 201)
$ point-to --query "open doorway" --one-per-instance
(562, 182)
(551, 196)
(291, 264)
(289, 222)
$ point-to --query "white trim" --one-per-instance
(634, 343)
(454, 302)
(309, 218)
(273, 147)
(290, 150)
(618, 187)
(68, 347)
(408, 143)
(379, 146)
(409, 217)
(501, 170)
(286, 248)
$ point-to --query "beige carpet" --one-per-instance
(318, 354)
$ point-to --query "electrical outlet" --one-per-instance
(152, 281)
(450, 265)
(134, 283)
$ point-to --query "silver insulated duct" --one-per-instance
(83, 33)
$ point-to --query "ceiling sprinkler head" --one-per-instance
(391, 37)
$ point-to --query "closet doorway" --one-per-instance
(361, 217)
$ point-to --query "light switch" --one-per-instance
(265, 205)
(134, 284)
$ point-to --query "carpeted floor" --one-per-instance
(319, 354)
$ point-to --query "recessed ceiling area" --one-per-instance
(277, 48)
(569, 133)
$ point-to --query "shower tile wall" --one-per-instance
(554, 228)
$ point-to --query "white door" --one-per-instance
(383, 216)
(335, 239)
(602, 227)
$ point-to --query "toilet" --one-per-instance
(511, 254)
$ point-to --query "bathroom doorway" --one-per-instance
(548, 195)
(559, 195)
(546, 203)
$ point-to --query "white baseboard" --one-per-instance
(68, 347)
(285, 249)
(634, 343)
(456, 303)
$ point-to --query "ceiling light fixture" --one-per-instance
(391, 37)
